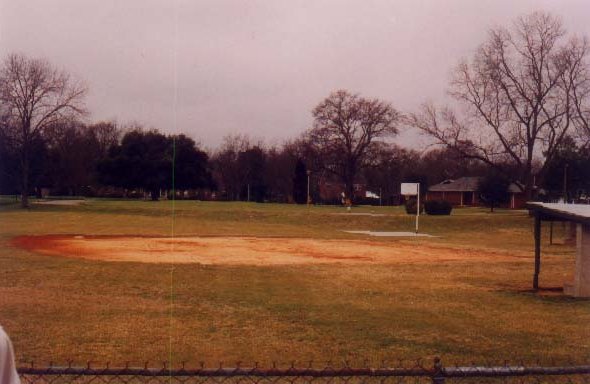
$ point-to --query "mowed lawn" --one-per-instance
(59, 309)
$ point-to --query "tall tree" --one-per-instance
(346, 130)
(300, 182)
(440, 164)
(72, 157)
(9, 168)
(493, 189)
(73, 152)
(575, 57)
(34, 95)
(280, 162)
(519, 94)
(389, 166)
(227, 171)
(252, 170)
(191, 165)
(107, 134)
(142, 160)
(568, 172)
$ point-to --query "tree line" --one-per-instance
(520, 111)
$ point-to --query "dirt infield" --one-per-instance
(59, 202)
(243, 250)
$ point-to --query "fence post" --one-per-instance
(438, 375)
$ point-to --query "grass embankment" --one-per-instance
(60, 308)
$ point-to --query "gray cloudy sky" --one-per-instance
(257, 67)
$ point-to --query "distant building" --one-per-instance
(463, 192)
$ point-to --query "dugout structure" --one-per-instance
(575, 213)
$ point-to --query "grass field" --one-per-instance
(57, 308)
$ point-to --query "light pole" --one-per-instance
(308, 197)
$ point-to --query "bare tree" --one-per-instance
(34, 95)
(73, 152)
(390, 165)
(519, 90)
(576, 58)
(228, 171)
(346, 130)
(107, 134)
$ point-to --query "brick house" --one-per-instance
(463, 192)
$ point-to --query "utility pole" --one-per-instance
(248, 192)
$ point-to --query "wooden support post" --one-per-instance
(551, 232)
(537, 251)
(582, 272)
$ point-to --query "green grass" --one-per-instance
(59, 309)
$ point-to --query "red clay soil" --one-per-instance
(243, 250)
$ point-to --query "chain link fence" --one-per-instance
(402, 373)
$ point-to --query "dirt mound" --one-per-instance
(240, 250)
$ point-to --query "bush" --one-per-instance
(438, 207)
(411, 206)
(366, 201)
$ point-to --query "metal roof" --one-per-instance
(579, 213)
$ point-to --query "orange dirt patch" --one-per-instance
(243, 250)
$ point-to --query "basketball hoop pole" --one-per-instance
(418, 208)
(411, 189)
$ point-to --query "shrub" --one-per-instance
(438, 207)
(411, 206)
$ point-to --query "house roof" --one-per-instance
(467, 184)
(463, 184)
(516, 187)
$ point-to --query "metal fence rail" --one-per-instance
(417, 373)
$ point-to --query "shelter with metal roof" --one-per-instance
(575, 213)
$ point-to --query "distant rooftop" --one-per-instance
(466, 184)
(462, 184)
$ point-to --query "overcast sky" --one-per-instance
(212, 68)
